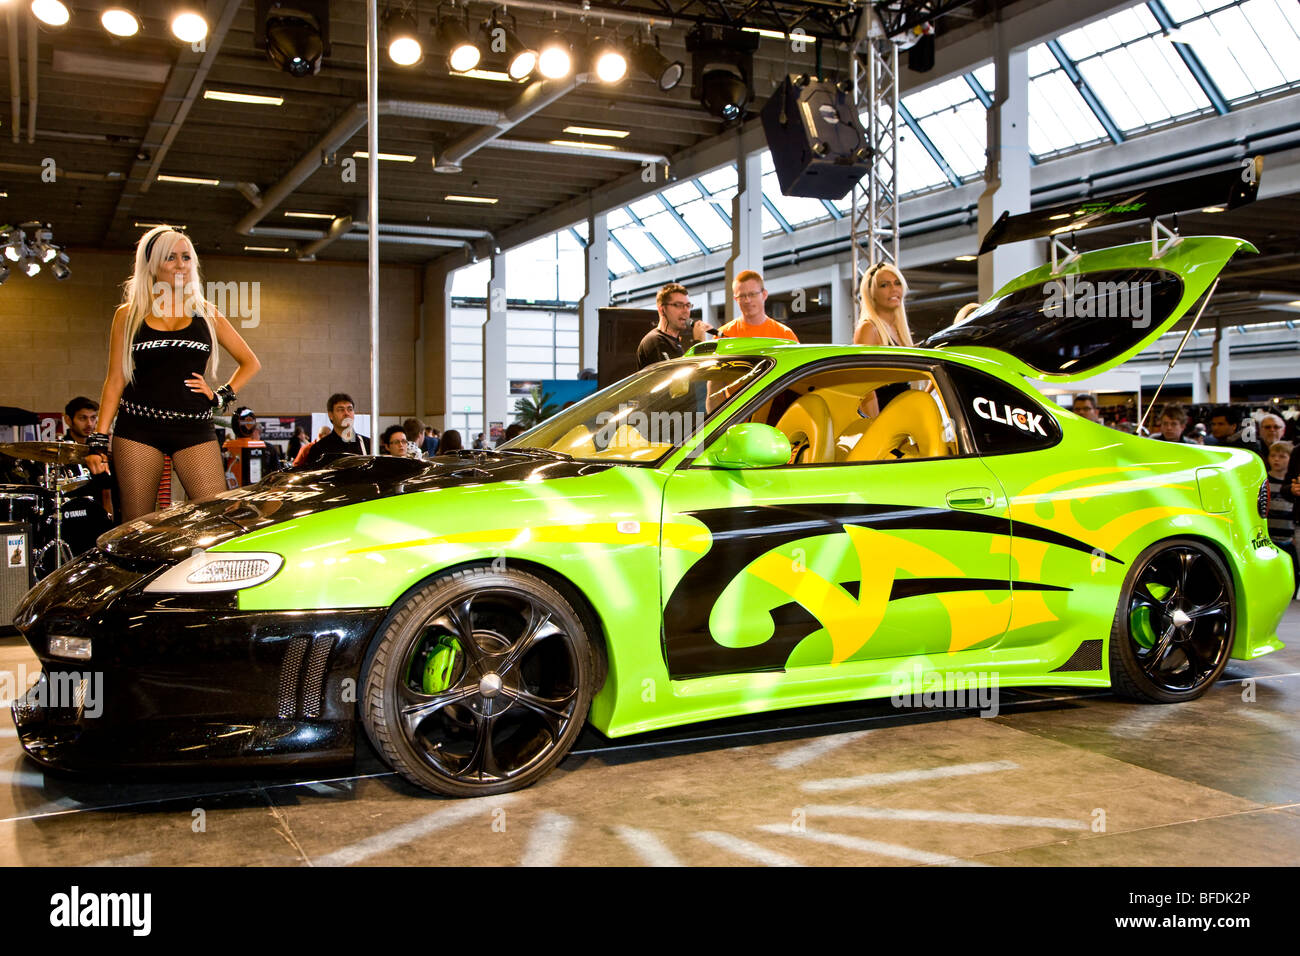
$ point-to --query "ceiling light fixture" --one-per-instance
(189, 180)
(596, 131)
(462, 52)
(554, 59)
(256, 99)
(391, 157)
(53, 13)
(500, 37)
(294, 34)
(485, 200)
(403, 38)
(266, 248)
(310, 215)
(578, 145)
(119, 18)
(722, 69)
(648, 59)
(606, 60)
(966, 258)
(60, 268)
(486, 75)
(179, 226)
(188, 23)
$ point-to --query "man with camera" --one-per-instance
(664, 341)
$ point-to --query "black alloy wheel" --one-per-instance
(479, 684)
(1175, 624)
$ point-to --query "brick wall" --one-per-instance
(312, 337)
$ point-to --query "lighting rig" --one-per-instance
(29, 247)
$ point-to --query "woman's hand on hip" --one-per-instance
(197, 383)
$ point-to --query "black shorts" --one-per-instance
(167, 437)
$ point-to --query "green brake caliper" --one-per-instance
(1139, 619)
(440, 665)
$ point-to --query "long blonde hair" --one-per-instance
(139, 292)
(901, 335)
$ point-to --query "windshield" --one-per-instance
(644, 417)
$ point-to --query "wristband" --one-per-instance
(223, 398)
(97, 442)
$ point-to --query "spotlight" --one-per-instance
(294, 34)
(15, 245)
(188, 23)
(120, 19)
(53, 13)
(553, 59)
(402, 31)
(649, 60)
(60, 268)
(521, 60)
(607, 61)
(722, 68)
(30, 266)
(462, 53)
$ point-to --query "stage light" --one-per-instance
(553, 59)
(402, 31)
(607, 61)
(30, 267)
(188, 24)
(53, 13)
(119, 19)
(60, 268)
(14, 246)
(649, 60)
(722, 69)
(294, 38)
(501, 37)
(462, 53)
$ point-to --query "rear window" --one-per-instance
(1072, 322)
(1001, 418)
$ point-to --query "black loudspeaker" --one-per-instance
(621, 331)
(818, 146)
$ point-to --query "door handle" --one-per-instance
(971, 499)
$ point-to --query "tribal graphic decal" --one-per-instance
(748, 540)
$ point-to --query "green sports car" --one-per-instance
(755, 526)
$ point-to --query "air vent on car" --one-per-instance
(1262, 500)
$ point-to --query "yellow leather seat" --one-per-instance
(577, 441)
(808, 423)
(912, 416)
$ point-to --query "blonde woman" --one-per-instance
(162, 347)
(882, 320)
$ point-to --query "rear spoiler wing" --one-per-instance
(1228, 188)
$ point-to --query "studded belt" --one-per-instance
(163, 414)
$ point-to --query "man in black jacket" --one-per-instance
(665, 340)
(343, 440)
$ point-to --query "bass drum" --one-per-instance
(83, 522)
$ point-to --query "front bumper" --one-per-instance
(174, 681)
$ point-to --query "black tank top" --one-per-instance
(163, 361)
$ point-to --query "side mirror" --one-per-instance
(748, 445)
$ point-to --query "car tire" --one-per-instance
(479, 683)
(1175, 623)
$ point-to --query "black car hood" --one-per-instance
(176, 532)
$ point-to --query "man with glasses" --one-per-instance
(664, 341)
(754, 322)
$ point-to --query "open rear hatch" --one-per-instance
(1095, 313)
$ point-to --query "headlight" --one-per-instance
(218, 571)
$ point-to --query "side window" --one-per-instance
(855, 414)
(1002, 418)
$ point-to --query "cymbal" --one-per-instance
(53, 452)
(69, 485)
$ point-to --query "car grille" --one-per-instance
(302, 688)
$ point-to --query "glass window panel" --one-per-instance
(531, 271)
(616, 218)
(681, 193)
(572, 271)
(984, 76)
(466, 353)
(639, 246)
(1242, 29)
(670, 233)
(708, 225)
(566, 321)
(917, 169)
(567, 339)
(566, 371)
(467, 335)
(529, 353)
(959, 134)
(1218, 58)
(766, 162)
(618, 263)
(529, 370)
(770, 225)
(720, 179)
(566, 357)
(1143, 84)
(796, 210)
(470, 282)
(1058, 116)
(581, 228)
(646, 207)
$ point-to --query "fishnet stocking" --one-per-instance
(139, 468)
(201, 470)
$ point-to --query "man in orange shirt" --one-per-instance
(754, 322)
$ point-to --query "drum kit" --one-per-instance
(64, 516)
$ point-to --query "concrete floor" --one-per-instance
(1057, 778)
